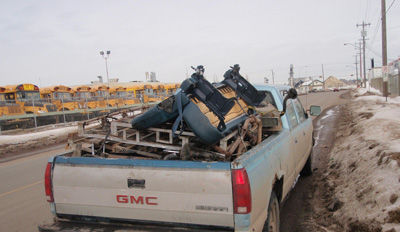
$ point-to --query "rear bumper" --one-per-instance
(74, 223)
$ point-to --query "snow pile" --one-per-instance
(46, 137)
(364, 165)
(13, 143)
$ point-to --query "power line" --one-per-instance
(367, 10)
(378, 25)
(370, 49)
(390, 6)
(375, 34)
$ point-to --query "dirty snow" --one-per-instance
(46, 136)
(365, 164)
(23, 138)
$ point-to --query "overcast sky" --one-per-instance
(47, 42)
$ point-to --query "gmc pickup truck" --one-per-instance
(158, 179)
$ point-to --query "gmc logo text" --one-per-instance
(140, 200)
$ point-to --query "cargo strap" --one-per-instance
(179, 119)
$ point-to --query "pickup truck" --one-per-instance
(108, 187)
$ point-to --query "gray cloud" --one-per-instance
(58, 42)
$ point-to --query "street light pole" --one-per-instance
(105, 58)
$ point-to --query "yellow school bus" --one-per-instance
(28, 97)
(139, 91)
(101, 94)
(119, 96)
(60, 96)
(10, 109)
(82, 95)
(171, 88)
(156, 93)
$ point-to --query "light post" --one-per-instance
(105, 58)
(361, 73)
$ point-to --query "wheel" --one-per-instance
(308, 167)
(272, 222)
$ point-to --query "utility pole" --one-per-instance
(323, 77)
(291, 75)
(361, 75)
(273, 82)
(384, 49)
(358, 46)
(356, 69)
(363, 34)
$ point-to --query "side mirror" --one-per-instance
(315, 110)
(292, 93)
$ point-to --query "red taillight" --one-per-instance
(47, 183)
(241, 191)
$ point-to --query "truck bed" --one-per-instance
(150, 177)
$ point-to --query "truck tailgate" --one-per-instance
(146, 190)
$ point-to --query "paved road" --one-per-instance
(297, 214)
(323, 99)
(23, 204)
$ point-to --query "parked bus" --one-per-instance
(120, 97)
(60, 96)
(8, 110)
(156, 93)
(171, 88)
(101, 94)
(28, 97)
(138, 90)
(85, 101)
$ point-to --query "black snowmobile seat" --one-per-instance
(242, 87)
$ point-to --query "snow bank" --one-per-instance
(23, 138)
(52, 135)
(365, 164)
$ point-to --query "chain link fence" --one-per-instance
(34, 112)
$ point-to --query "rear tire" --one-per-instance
(273, 219)
(308, 167)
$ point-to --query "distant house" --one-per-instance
(332, 82)
(309, 85)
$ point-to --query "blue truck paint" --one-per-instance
(143, 163)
